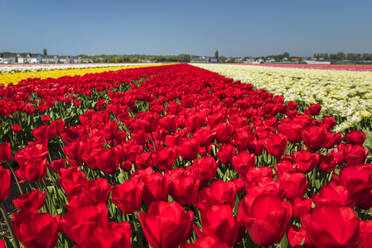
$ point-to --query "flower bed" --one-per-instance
(346, 95)
(19, 73)
(176, 155)
(319, 66)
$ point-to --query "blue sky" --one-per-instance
(235, 28)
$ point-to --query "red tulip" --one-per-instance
(107, 160)
(224, 132)
(276, 144)
(219, 193)
(30, 202)
(332, 139)
(57, 165)
(328, 122)
(255, 146)
(206, 242)
(291, 130)
(265, 217)
(166, 224)
(285, 166)
(293, 185)
(305, 161)
(301, 207)
(314, 137)
(155, 189)
(115, 235)
(16, 128)
(365, 233)
(297, 237)
(256, 174)
(225, 153)
(5, 181)
(243, 161)
(79, 223)
(329, 226)
(189, 149)
(45, 119)
(355, 154)
(164, 159)
(355, 137)
(358, 182)
(128, 196)
(143, 160)
(33, 171)
(71, 179)
(5, 152)
(193, 122)
(204, 169)
(32, 161)
(332, 194)
(219, 222)
(35, 230)
(94, 192)
(182, 186)
(168, 122)
(314, 109)
(327, 163)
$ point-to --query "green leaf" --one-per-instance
(284, 242)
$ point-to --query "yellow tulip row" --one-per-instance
(14, 78)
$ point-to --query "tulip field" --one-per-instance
(171, 156)
(345, 94)
(14, 74)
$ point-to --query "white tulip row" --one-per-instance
(347, 94)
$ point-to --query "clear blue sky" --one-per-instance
(235, 28)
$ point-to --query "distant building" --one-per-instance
(248, 61)
(259, 61)
(76, 60)
(8, 58)
(239, 59)
(50, 59)
(20, 59)
(64, 59)
(34, 58)
(87, 61)
(295, 60)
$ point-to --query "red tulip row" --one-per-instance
(175, 156)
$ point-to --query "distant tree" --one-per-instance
(184, 58)
(216, 55)
(45, 52)
(340, 56)
(222, 59)
(286, 55)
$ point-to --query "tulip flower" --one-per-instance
(265, 217)
(166, 224)
(329, 226)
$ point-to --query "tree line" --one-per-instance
(137, 58)
(344, 56)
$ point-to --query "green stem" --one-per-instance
(139, 239)
(9, 226)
